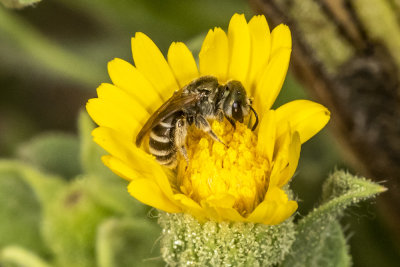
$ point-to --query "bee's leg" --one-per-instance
(180, 136)
(205, 126)
(220, 115)
(232, 122)
(182, 150)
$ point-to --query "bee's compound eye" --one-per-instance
(235, 106)
(237, 111)
(226, 88)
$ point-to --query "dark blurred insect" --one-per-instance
(201, 100)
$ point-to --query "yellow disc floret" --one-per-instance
(233, 169)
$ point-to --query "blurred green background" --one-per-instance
(58, 204)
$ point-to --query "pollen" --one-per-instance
(228, 171)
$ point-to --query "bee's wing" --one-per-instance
(177, 102)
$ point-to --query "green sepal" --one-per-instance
(128, 242)
(56, 153)
(14, 256)
(319, 238)
(18, 3)
(185, 241)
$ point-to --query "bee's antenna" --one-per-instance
(255, 114)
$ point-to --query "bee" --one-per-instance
(201, 100)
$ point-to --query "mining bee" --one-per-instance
(201, 100)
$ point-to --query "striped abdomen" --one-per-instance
(161, 143)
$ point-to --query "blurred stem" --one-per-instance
(45, 54)
(20, 257)
(18, 3)
(387, 30)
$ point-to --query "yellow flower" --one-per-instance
(239, 182)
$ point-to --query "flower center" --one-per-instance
(218, 172)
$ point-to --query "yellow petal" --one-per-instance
(281, 157)
(266, 135)
(213, 56)
(220, 208)
(182, 63)
(284, 207)
(129, 79)
(124, 149)
(260, 49)
(304, 116)
(229, 214)
(280, 38)
(274, 209)
(262, 212)
(152, 64)
(239, 48)
(108, 115)
(293, 160)
(190, 206)
(279, 166)
(221, 200)
(120, 168)
(149, 193)
(118, 98)
(271, 80)
(283, 212)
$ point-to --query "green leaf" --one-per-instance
(19, 212)
(70, 225)
(24, 193)
(113, 195)
(328, 249)
(128, 242)
(14, 256)
(334, 251)
(56, 153)
(319, 232)
(18, 3)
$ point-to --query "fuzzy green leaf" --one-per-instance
(14, 256)
(334, 251)
(113, 195)
(18, 3)
(329, 249)
(45, 186)
(24, 193)
(319, 233)
(19, 212)
(128, 242)
(70, 225)
(56, 153)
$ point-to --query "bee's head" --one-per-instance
(237, 105)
